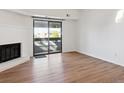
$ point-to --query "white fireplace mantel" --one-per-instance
(12, 63)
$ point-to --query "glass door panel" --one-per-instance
(55, 41)
(47, 37)
(40, 37)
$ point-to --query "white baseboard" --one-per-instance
(12, 63)
(101, 58)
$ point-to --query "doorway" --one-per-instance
(47, 37)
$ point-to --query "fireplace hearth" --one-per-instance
(9, 52)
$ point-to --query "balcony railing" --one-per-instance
(41, 45)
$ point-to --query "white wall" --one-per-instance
(16, 28)
(68, 34)
(100, 36)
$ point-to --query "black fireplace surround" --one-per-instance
(10, 51)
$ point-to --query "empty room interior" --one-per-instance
(61, 46)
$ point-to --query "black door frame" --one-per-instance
(48, 36)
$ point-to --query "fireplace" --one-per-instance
(10, 51)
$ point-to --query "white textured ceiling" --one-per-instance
(57, 13)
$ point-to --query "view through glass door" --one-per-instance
(47, 37)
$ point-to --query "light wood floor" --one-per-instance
(67, 67)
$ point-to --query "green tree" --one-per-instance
(54, 34)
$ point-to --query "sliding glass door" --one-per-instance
(55, 42)
(47, 37)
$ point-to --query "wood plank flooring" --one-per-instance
(69, 67)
